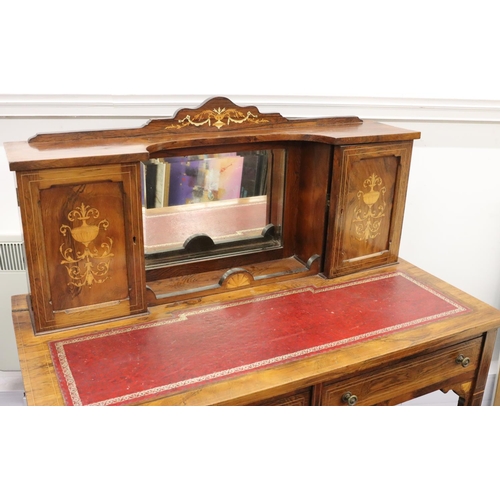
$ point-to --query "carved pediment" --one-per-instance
(218, 113)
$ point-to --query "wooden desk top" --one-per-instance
(42, 387)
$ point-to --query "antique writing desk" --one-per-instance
(225, 256)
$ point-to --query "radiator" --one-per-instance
(13, 281)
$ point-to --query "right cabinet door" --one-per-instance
(368, 194)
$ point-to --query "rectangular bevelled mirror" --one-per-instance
(200, 205)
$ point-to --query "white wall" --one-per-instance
(388, 48)
(428, 66)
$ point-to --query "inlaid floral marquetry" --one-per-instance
(370, 209)
(218, 117)
(87, 265)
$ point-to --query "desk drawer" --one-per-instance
(439, 369)
(299, 398)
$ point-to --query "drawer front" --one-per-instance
(451, 365)
(301, 398)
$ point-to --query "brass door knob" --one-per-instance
(463, 360)
(350, 398)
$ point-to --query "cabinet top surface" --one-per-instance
(218, 122)
(452, 317)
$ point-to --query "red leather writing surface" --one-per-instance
(198, 346)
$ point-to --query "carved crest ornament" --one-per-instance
(370, 209)
(87, 265)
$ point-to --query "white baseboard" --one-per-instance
(11, 389)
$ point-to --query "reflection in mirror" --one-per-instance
(201, 205)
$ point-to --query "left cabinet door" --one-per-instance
(84, 244)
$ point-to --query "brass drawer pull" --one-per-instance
(463, 360)
(350, 398)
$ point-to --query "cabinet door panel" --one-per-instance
(83, 245)
(366, 213)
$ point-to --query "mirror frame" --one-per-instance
(236, 254)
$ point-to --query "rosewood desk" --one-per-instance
(226, 256)
(426, 336)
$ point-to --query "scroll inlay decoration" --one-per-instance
(218, 117)
(88, 265)
(370, 209)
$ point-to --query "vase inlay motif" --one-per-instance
(86, 265)
(370, 209)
